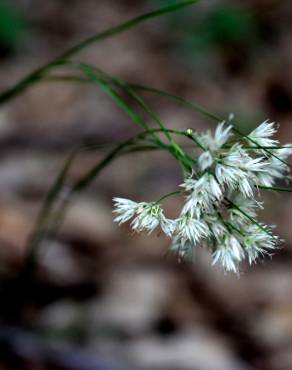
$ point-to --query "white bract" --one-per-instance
(220, 197)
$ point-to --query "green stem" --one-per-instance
(168, 195)
(275, 188)
(205, 112)
(38, 73)
(105, 80)
(229, 202)
(40, 231)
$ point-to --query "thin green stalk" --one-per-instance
(257, 145)
(53, 194)
(117, 98)
(276, 188)
(228, 146)
(184, 159)
(232, 204)
(168, 195)
(205, 112)
(199, 109)
(39, 72)
(125, 26)
(175, 149)
(89, 72)
(41, 228)
(131, 93)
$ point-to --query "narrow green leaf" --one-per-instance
(38, 73)
(126, 25)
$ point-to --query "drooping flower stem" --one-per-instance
(36, 75)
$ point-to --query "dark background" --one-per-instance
(100, 298)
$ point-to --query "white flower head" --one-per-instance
(125, 209)
(204, 193)
(275, 166)
(148, 217)
(262, 135)
(188, 228)
(167, 226)
(217, 229)
(229, 253)
(275, 169)
(244, 206)
(258, 242)
(222, 134)
(239, 171)
(220, 208)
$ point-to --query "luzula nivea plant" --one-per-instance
(221, 182)
(221, 197)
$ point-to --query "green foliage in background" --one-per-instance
(220, 25)
(228, 24)
(12, 26)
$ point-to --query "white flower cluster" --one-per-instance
(220, 206)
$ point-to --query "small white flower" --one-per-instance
(204, 193)
(228, 175)
(239, 171)
(199, 199)
(258, 242)
(275, 169)
(261, 135)
(125, 209)
(229, 254)
(190, 229)
(167, 226)
(148, 217)
(254, 164)
(217, 228)
(229, 169)
(222, 134)
(244, 206)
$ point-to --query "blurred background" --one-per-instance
(100, 298)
